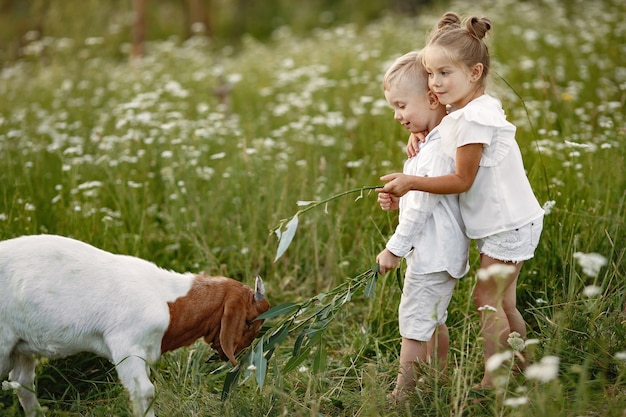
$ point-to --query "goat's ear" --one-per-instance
(259, 289)
(232, 327)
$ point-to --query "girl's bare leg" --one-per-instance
(499, 293)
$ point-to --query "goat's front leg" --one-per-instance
(23, 372)
(134, 372)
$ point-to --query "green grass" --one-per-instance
(145, 160)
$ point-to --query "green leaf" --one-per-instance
(280, 309)
(319, 361)
(230, 381)
(399, 278)
(274, 340)
(260, 362)
(286, 237)
(370, 288)
(294, 361)
(298, 343)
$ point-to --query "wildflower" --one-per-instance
(590, 262)
(251, 368)
(516, 342)
(487, 307)
(546, 370)
(530, 342)
(219, 155)
(496, 271)
(354, 164)
(621, 356)
(516, 402)
(302, 369)
(592, 291)
(497, 359)
(548, 206)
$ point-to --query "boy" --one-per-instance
(430, 232)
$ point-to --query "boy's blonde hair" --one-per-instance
(408, 67)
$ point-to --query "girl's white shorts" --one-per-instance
(424, 304)
(513, 245)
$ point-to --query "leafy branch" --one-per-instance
(286, 229)
(308, 320)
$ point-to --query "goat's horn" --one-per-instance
(259, 289)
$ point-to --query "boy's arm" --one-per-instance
(418, 210)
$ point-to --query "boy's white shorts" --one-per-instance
(424, 304)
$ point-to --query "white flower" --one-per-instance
(621, 356)
(495, 270)
(302, 369)
(516, 342)
(546, 370)
(530, 342)
(591, 291)
(548, 206)
(251, 368)
(497, 359)
(516, 402)
(219, 155)
(590, 262)
(487, 307)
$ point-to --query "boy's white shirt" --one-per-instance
(430, 231)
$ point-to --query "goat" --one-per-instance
(60, 296)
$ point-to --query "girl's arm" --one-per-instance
(467, 161)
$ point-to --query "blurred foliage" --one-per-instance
(23, 21)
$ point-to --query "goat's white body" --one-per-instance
(121, 313)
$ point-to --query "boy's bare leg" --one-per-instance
(413, 352)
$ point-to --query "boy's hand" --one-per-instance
(412, 147)
(388, 201)
(397, 184)
(387, 261)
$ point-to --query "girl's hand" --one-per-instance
(412, 147)
(388, 201)
(397, 184)
(387, 261)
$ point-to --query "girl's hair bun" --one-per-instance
(478, 26)
(449, 21)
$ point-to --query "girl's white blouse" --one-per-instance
(501, 197)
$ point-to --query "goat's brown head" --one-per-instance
(239, 325)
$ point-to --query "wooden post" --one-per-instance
(139, 29)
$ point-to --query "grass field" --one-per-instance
(191, 157)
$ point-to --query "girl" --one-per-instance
(497, 203)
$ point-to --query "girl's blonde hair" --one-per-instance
(465, 45)
(407, 67)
